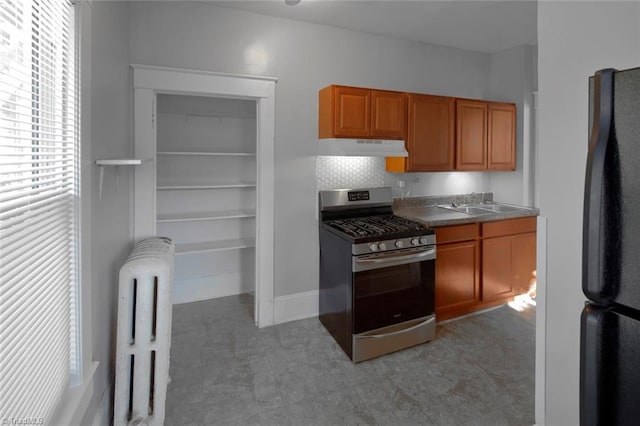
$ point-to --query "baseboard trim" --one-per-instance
(193, 290)
(295, 306)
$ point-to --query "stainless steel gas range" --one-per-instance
(377, 274)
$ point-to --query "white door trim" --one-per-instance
(148, 81)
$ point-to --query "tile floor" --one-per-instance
(225, 371)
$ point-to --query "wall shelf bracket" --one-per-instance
(115, 162)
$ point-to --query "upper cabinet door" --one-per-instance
(430, 138)
(471, 134)
(388, 114)
(502, 136)
(352, 112)
(355, 112)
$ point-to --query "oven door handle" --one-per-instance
(394, 333)
(394, 259)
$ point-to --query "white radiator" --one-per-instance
(144, 333)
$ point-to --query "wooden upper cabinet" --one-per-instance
(441, 133)
(471, 134)
(485, 135)
(353, 112)
(430, 136)
(501, 154)
(388, 114)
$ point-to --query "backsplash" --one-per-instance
(349, 172)
(369, 172)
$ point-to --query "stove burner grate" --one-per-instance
(371, 226)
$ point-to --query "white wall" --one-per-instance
(110, 138)
(574, 40)
(441, 183)
(305, 58)
(512, 77)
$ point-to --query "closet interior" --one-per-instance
(206, 192)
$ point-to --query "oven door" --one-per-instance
(393, 287)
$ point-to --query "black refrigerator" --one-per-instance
(610, 321)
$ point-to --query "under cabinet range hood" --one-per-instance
(362, 147)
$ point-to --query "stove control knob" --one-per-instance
(399, 244)
(423, 240)
(382, 246)
(373, 247)
(414, 242)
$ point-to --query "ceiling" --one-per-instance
(481, 26)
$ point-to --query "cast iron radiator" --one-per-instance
(144, 333)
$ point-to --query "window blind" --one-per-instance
(38, 208)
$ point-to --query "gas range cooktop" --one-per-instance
(366, 215)
(378, 226)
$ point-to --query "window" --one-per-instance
(39, 194)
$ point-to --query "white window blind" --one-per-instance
(38, 199)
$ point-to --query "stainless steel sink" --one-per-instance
(472, 210)
(467, 209)
(483, 208)
(501, 208)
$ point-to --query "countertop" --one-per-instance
(433, 216)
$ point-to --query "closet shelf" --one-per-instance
(209, 246)
(187, 114)
(200, 216)
(205, 153)
(216, 186)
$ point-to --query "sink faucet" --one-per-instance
(454, 204)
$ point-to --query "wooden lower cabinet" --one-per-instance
(457, 270)
(508, 257)
(497, 261)
(457, 277)
(524, 262)
(483, 265)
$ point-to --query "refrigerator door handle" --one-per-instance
(594, 183)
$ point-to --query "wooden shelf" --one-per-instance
(209, 246)
(200, 216)
(217, 186)
(204, 153)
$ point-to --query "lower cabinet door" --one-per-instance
(457, 276)
(497, 278)
(524, 263)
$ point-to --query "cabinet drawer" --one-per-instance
(448, 234)
(509, 227)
